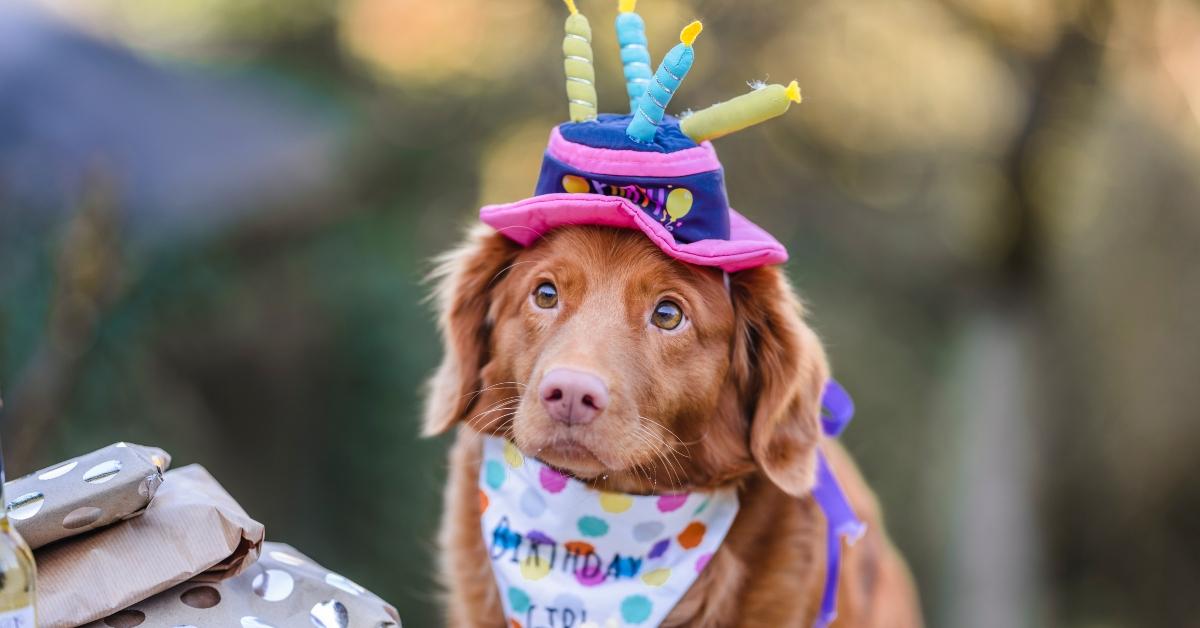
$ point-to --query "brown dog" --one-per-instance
(600, 355)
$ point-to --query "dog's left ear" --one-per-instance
(780, 369)
(465, 278)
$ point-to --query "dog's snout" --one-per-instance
(573, 397)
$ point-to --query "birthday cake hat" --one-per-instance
(645, 170)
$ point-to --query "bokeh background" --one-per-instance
(215, 216)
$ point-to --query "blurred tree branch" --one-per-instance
(86, 281)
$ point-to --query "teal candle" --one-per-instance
(635, 56)
(650, 108)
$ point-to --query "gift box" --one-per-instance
(284, 588)
(168, 548)
(85, 493)
(191, 527)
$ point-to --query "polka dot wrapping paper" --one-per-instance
(284, 588)
(192, 527)
(565, 554)
(85, 493)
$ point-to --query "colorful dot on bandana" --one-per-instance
(518, 600)
(692, 535)
(552, 480)
(702, 506)
(659, 548)
(702, 562)
(495, 474)
(667, 503)
(592, 526)
(567, 605)
(590, 575)
(581, 548)
(615, 503)
(647, 530)
(483, 501)
(512, 455)
(539, 537)
(635, 609)
(532, 503)
(535, 568)
(513, 623)
(656, 578)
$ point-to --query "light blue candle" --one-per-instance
(674, 67)
(635, 56)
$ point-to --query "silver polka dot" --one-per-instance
(82, 517)
(273, 585)
(250, 621)
(202, 596)
(286, 558)
(330, 614)
(26, 505)
(127, 618)
(343, 583)
(102, 472)
(59, 471)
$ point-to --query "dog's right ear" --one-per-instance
(464, 279)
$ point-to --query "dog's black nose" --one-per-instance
(573, 397)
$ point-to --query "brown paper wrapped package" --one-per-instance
(283, 589)
(85, 493)
(193, 526)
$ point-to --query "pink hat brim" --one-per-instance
(525, 221)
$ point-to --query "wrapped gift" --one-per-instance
(284, 588)
(192, 527)
(85, 493)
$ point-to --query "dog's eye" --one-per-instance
(545, 295)
(667, 315)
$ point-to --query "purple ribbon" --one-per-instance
(838, 409)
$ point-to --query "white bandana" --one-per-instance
(568, 556)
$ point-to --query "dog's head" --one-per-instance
(595, 352)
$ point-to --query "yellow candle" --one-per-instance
(577, 61)
(738, 113)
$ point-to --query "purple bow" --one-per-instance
(838, 410)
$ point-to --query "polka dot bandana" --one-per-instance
(569, 556)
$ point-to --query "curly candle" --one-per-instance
(670, 74)
(577, 61)
(723, 118)
(635, 56)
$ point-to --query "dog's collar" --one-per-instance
(561, 548)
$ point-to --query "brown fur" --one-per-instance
(732, 396)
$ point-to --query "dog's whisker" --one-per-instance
(491, 422)
(480, 391)
(496, 407)
(672, 457)
(485, 412)
(657, 447)
(500, 420)
(668, 430)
